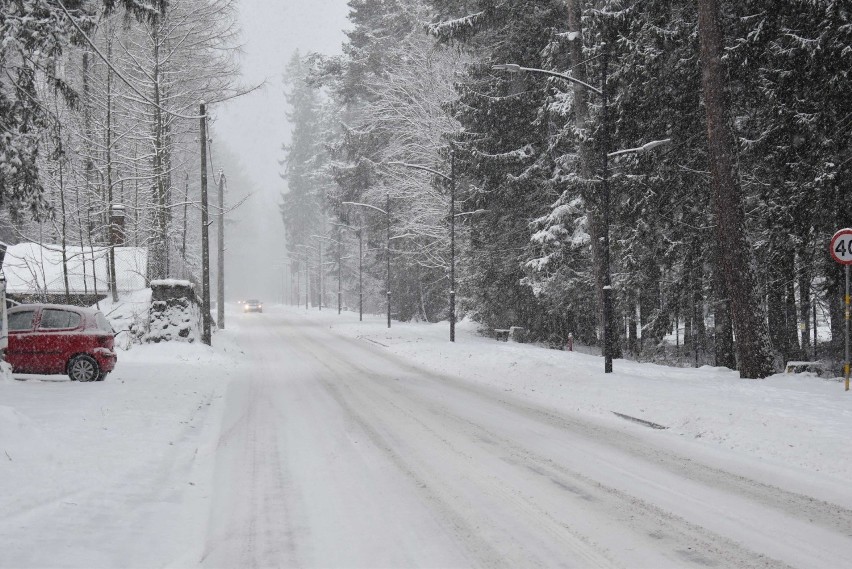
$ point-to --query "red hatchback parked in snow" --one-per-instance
(59, 339)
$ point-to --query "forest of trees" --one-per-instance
(99, 103)
(719, 237)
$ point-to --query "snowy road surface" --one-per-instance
(307, 439)
(333, 452)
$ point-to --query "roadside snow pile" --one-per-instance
(5, 372)
(128, 316)
(175, 314)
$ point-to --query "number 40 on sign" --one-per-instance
(841, 246)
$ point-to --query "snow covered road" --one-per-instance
(334, 452)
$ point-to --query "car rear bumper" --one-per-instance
(106, 358)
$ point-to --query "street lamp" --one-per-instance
(385, 211)
(452, 180)
(607, 288)
(357, 231)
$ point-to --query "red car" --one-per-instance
(59, 339)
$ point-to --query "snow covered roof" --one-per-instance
(32, 268)
(172, 282)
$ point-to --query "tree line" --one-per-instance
(717, 241)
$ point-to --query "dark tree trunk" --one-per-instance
(791, 329)
(699, 327)
(632, 323)
(723, 329)
(775, 305)
(752, 343)
(835, 290)
(805, 276)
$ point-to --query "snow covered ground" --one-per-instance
(307, 438)
(104, 474)
(799, 421)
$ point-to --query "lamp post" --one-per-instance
(385, 211)
(603, 93)
(452, 180)
(357, 231)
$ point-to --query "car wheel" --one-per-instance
(83, 368)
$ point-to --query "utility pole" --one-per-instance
(360, 282)
(387, 217)
(607, 288)
(339, 286)
(205, 243)
(452, 245)
(220, 277)
(321, 276)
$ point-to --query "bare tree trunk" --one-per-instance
(113, 278)
(805, 276)
(723, 332)
(791, 321)
(160, 246)
(89, 167)
(64, 220)
(752, 342)
(185, 225)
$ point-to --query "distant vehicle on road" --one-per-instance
(57, 339)
(253, 306)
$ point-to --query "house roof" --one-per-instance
(31, 268)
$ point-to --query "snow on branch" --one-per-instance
(518, 155)
(463, 28)
(454, 28)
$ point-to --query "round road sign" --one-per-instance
(841, 246)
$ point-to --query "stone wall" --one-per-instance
(175, 312)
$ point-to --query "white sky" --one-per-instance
(254, 128)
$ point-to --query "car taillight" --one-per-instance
(105, 341)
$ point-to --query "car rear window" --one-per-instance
(22, 320)
(53, 319)
(103, 323)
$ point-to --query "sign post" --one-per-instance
(841, 251)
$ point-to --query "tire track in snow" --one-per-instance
(249, 514)
(685, 543)
(826, 514)
(447, 503)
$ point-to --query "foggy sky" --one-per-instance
(254, 128)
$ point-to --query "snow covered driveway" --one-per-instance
(336, 453)
(306, 439)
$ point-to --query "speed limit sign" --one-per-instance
(841, 246)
